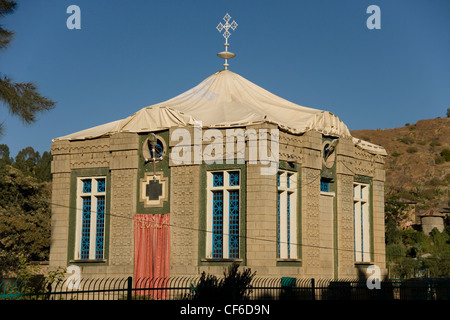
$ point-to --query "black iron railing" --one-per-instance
(185, 288)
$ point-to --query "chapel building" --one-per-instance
(225, 172)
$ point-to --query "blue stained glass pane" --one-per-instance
(234, 224)
(87, 185)
(288, 180)
(234, 178)
(324, 186)
(217, 232)
(289, 225)
(85, 227)
(278, 179)
(354, 227)
(362, 232)
(217, 179)
(100, 228)
(278, 224)
(159, 149)
(101, 185)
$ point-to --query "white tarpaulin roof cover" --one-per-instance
(225, 99)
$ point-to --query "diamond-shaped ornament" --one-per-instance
(226, 34)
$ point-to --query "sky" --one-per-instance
(316, 53)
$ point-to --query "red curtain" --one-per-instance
(151, 253)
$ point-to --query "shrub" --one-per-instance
(411, 150)
(406, 140)
(235, 285)
(396, 154)
(438, 159)
(446, 154)
(435, 181)
(435, 143)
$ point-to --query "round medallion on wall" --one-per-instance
(156, 143)
(329, 152)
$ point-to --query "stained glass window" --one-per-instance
(86, 228)
(234, 178)
(218, 179)
(87, 185)
(286, 215)
(101, 185)
(217, 224)
(224, 214)
(92, 193)
(288, 224)
(234, 223)
(324, 186)
(278, 224)
(100, 227)
(361, 222)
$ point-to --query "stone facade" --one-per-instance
(325, 226)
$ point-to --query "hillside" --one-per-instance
(418, 161)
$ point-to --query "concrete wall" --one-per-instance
(431, 222)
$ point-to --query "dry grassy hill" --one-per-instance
(418, 161)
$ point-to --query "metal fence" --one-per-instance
(185, 288)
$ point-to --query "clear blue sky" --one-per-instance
(319, 54)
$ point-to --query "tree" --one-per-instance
(4, 155)
(21, 99)
(448, 112)
(24, 208)
(25, 219)
(26, 160)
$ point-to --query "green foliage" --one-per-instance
(31, 280)
(6, 7)
(438, 159)
(24, 209)
(445, 154)
(395, 250)
(31, 163)
(417, 254)
(394, 209)
(411, 253)
(406, 140)
(435, 143)
(234, 285)
(411, 150)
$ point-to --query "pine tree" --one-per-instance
(21, 99)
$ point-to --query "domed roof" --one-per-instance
(224, 99)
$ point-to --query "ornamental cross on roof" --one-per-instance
(226, 34)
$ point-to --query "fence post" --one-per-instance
(129, 288)
(313, 289)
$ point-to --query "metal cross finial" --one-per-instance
(226, 27)
(233, 25)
